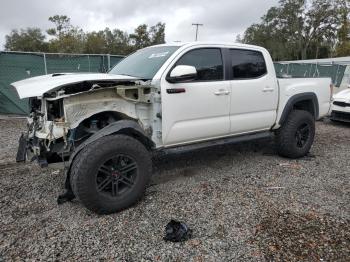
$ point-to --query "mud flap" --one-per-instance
(22, 149)
(68, 195)
(65, 197)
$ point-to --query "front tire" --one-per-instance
(111, 174)
(294, 139)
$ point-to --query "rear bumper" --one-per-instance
(340, 116)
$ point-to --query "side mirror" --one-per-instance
(182, 73)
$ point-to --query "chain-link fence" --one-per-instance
(15, 66)
(294, 69)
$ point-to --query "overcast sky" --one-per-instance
(222, 20)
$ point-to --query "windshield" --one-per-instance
(144, 63)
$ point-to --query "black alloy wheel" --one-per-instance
(302, 135)
(117, 176)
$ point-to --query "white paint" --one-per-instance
(183, 70)
(37, 86)
(343, 96)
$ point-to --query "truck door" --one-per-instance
(254, 90)
(198, 109)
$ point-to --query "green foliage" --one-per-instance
(157, 34)
(29, 40)
(66, 38)
(143, 36)
(62, 25)
(107, 41)
(298, 29)
(343, 46)
(140, 38)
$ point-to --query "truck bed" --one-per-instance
(321, 87)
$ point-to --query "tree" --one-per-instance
(62, 25)
(95, 43)
(141, 38)
(66, 38)
(29, 40)
(107, 41)
(297, 29)
(343, 46)
(118, 42)
(157, 34)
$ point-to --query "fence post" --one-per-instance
(89, 63)
(316, 70)
(109, 61)
(45, 64)
(336, 76)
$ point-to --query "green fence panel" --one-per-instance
(334, 71)
(15, 66)
(57, 63)
(115, 60)
(99, 63)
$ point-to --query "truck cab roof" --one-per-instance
(212, 43)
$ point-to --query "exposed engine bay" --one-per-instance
(63, 118)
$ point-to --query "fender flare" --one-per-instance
(297, 98)
(116, 127)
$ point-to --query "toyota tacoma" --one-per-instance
(104, 128)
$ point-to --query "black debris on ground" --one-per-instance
(176, 231)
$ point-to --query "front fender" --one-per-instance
(122, 126)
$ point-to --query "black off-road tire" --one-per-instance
(286, 136)
(85, 169)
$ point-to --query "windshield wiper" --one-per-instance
(137, 77)
(126, 75)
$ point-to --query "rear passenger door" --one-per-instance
(254, 93)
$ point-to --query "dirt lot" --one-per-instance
(243, 202)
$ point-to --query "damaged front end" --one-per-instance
(64, 117)
(46, 139)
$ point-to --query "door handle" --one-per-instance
(222, 92)
(268, 89)
(175, 90)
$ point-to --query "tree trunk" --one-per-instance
(304, 54)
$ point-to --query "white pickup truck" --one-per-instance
(105, 127)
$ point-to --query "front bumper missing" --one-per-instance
(26, 152)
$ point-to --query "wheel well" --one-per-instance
(306, 105)
(138, 136)
(109, 116)
(100, 120)
(304, 101)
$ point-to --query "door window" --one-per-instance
(247, 64)
(207, 61)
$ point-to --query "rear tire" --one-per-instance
(111, 174)
(294, 139)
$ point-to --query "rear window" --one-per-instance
(247, 64)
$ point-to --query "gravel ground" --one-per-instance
(243, 202)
